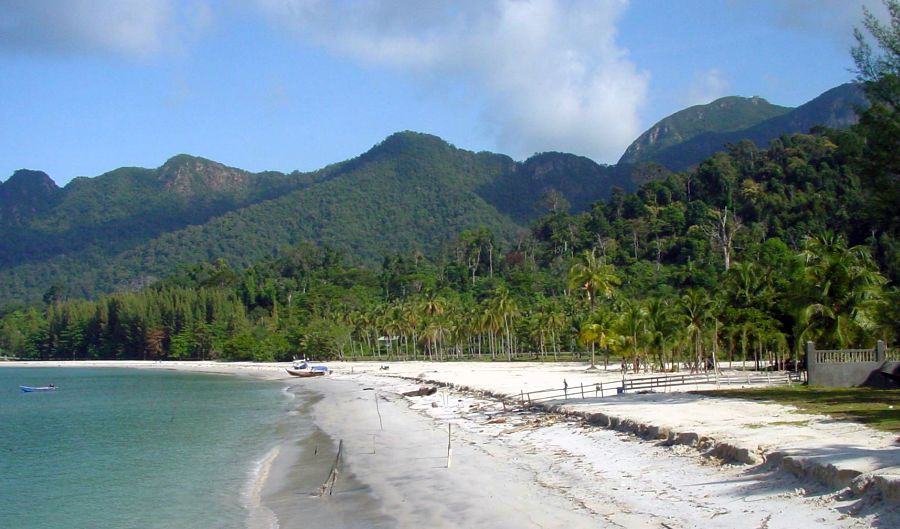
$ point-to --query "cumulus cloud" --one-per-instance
(550, 71)
(134, 28)
(706, 87)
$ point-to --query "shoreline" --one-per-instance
(608, 470)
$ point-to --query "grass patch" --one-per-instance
(878, 408)
(757, 425)
(789, 423)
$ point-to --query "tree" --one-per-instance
(721, 230)
(659, 327)
(599, 329)
(695, 309)
(505, 309)
(593, 276)
(880, 123)
(840, 289)
(632, 329)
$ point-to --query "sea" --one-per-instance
(131, 448)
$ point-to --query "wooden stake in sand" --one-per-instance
(449, 450)
(328, 486)
(381, 424)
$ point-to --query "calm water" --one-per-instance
(121, 448)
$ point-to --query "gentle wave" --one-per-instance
(258, 515)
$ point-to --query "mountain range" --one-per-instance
(689, 136)
(411, 192)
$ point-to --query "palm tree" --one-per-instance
(695, 308)
(599, 329)
(841, 289)
(491, 322)
(504, 308)
(632, 327)
(434, 335)
(593, 276)
(590, 333)
(434, 305)
(555, 322)
(658, 327)
(537, 330)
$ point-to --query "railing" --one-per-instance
(843, 356)
(892, 355)
(603, 389)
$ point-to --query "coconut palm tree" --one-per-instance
(599, 329)
(555, 322)
(504, 307)
(841, 288)
(593, 276)
(632, 327)
(658, 327)
(694, 310)
(434, 335)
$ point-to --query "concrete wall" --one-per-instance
(849, 368)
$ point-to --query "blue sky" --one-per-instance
(92, 85)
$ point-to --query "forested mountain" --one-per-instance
(726, 114)
(687, 137)
(411, 193)
(25, 195)
(746, 256)
(132, 226)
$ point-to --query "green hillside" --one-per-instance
(122, 208)
(836, 108)
(411, 193)
(733, 259)
(722, 115)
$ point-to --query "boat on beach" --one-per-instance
(308, 372)
(302, 368)
(35, 389)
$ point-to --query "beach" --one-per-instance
(644, 460)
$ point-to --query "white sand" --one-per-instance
(522, 469)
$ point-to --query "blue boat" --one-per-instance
(33, 389)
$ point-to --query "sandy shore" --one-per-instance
(516, 468)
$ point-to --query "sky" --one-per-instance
(91, 85)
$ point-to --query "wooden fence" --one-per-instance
(604, 389)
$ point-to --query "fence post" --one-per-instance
(880, 351)
(582, 390)
(522, 396)
(812, 363)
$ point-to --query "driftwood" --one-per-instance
(328, 486)
(421, 392)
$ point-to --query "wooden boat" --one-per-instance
(302, 368)
(33, 389)
(307, 372)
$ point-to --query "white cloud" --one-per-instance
(833, 19)
(706, 87)
(550, 70)
(133, 28)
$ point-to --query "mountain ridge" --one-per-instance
(410, 192)
(834, 108)
(725, 114)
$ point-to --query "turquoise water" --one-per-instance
(123, 448)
